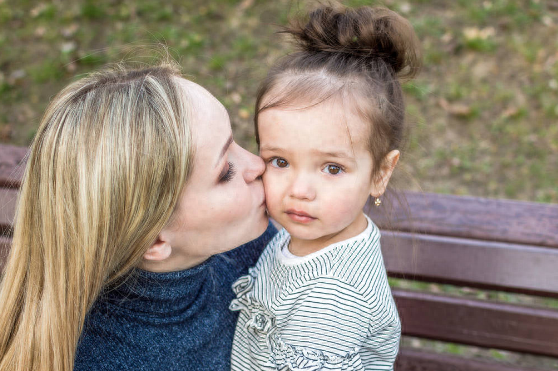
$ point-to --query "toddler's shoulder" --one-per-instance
(270, 251)
(360, 264)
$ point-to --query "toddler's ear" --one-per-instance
(379, 185)
(159, 251)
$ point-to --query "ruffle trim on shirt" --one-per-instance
(296, 358)
(261, 320)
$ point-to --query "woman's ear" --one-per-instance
(159, 251)
(379, 184)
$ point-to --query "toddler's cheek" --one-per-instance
(272, 196)
(344, 207)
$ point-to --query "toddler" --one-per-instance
(329, 122)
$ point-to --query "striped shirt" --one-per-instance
(330, 310)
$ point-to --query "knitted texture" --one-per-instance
(168, 321)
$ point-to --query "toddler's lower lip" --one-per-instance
(300, 218)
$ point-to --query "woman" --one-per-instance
(132, 187)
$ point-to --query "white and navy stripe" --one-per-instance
(330, 310)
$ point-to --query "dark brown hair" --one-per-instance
(361, 53)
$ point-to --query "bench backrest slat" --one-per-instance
(11, 166)
(5, 244)
(8, 199)
(479, 322)
(474, 263)
(471, 217)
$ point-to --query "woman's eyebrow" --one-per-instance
(224, 150)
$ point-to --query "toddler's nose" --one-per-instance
(302, 188)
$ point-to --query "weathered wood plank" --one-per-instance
(11, 165)
(8, 198)
(481, 323)
(414, 360)
(5, 244)
(471, 217)
(473, 263)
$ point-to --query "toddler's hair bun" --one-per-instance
(363, 32)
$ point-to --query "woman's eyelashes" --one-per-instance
(228, 173)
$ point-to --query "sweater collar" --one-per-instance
(170, 294)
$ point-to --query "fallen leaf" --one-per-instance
(40, 31)
(16, 77)
(71, 67)
(69, 31)
(6, 132)
(68, 47)
(36, 11)
(236, 97)
(510, 112)
(243, 113)
(456, 109)
(245, 4)
(405, 8)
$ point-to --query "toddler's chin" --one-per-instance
(299, 234)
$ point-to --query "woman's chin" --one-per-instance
(262, 226)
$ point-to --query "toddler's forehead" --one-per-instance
(328, 124)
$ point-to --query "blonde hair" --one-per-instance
(104, 174)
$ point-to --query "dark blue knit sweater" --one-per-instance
(168, 321)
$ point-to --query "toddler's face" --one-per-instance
(318, 169)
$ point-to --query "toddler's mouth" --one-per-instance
(299, 216)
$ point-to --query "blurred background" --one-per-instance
(483, 112)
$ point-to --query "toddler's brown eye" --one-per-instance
(333, 169)
(279, 162)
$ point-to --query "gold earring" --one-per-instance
(377, 201)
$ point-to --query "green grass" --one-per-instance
(483, 110)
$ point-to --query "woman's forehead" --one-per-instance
(198, 96)
(206, 110)
(209, 124)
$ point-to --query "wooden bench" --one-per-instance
(477, 243)
(465, 241)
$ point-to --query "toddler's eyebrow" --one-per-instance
(268, 148)
(336, 154)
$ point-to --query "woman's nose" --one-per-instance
(255, 167)
(302, 188)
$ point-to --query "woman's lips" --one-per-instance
(299, 216)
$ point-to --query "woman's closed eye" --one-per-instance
(228, 173)
(333, 169)
(279, 162)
